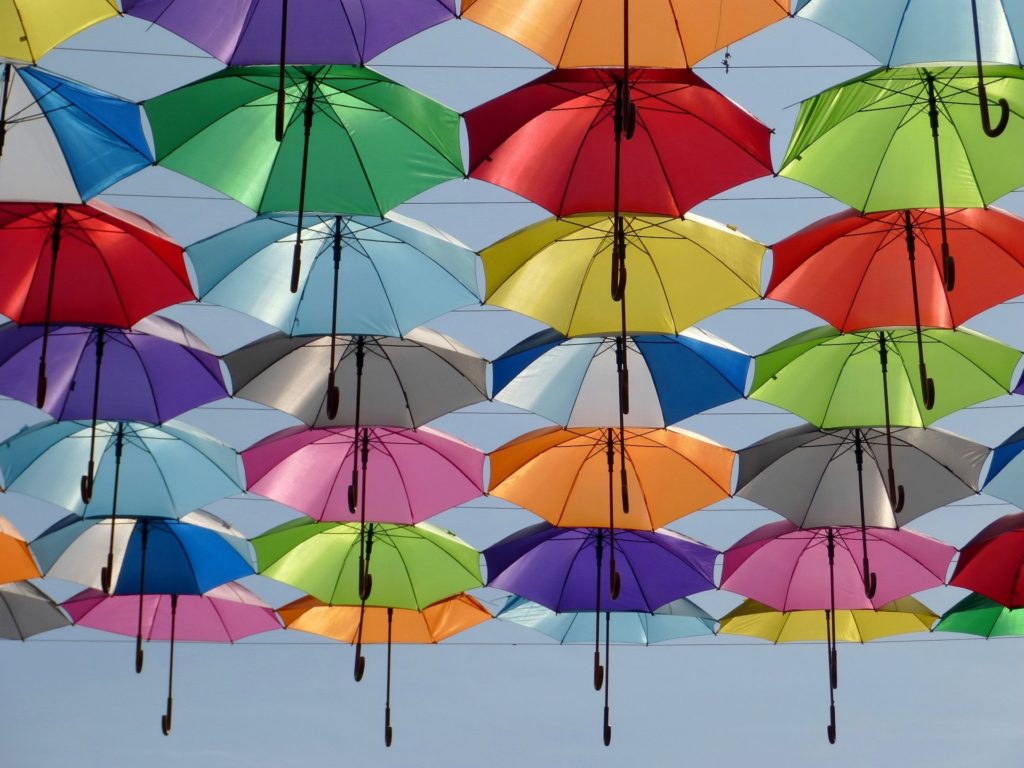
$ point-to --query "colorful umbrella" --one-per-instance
(873, 377)
(1003, 477)
(26, 610)
(153, 555)
(977, 615)
(224, 614)
(353, 624)
(29, 28)
(992, 563)
(568, 380)
(63, 141)
(16, 561)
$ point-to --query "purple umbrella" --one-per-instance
(152, 373)
(560, 568)
(242, 32)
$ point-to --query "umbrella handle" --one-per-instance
(948, 268)
(986, 119)
(870, 582)
(353, 494)
(832, 724)
(897, 496)
(365, 583)
(105, 573)
(86, 484)
(927, 387)
(388, 732)
(41, 384)
(607, 728)
(165, 719)
(296, 266)
(598, 672)
(333, 397)
(624, 389)
(139, 655)
(615, 583)
(833, 668)
(360, 663)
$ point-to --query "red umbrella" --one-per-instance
(86, 264)
(689, 142)
(992, 563)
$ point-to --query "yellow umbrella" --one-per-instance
(680, 271)
(589, 33)
(30, 28)
(16, 561)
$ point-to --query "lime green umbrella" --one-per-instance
(354, 142)
(870, 378)
(977, 615)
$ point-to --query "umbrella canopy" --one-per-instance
(900, 617)
(432, 624)
(992, 563)
(409, 476)
(157, 471)
(680, 271)
(393, 274)
(413, 565)
(835, 380)
(690, 143)
(558, 567)
(679, 619)
(589, 33)
(863, 261)
(787, 568)
(811, 478)
(63, 141)
(977, 615)
(28, 29)
(386, 141)
(1003, 478)
(566, 475)
(26, 610)
(573, 381)
(409, 381)
(16, 561)
(316, 31)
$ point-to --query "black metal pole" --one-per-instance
(614, 581)
(353, 488)
(1004, 106)
(88, 479)
(897, 496)
(307, 129)
(388, 732)
(833, 657)
(608, 667)
(5, 94)
(107, 571)
(58, 222)
(333, 392)
(870, 580)
(927, 384)
(142, 592)
(165, 720)
(279, 116)
(598, 669)
(948, 264)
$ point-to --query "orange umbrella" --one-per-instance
(370, 624)
(589, 33)
(16, 561)
(567, 476)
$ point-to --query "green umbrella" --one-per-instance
(977, 615)
(413, 565)
(354, 142)
(909, 137)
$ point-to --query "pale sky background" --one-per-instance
(501, 695)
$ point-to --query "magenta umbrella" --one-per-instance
(223, 615)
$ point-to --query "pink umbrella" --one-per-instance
(223, 615)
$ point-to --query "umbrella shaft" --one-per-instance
(4, 96)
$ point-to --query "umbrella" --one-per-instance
(415, 566)
(847, 380)
(30, 28)
(16, 561)
(63, 141)
(224, 614)
(665, 33)
(977, 615)
(673, 377)
(114, 268)
(26, 610)
(560, 568)
(352, 624)
(1002, 478)
(903, 616)
(908, 137)
(992, 563)
(153, 556)
(412, 380)
(386, 141)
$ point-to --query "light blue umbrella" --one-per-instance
(574, 382)
(1004, 478)
(61, 141)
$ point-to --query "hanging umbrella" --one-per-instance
(992, 563)
(409, 381)
(415, 565)
(568, 380)
(224, 614)
(16, 561)
(900, 617)
(352, 624)
(977, 615)
(561, 569)
(26, 610)
(872, 377)
(28, 28)
(386, 141)
(1003, 477)
(63, 141)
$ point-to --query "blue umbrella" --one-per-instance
(1004, 478)
(62, 141)
(574, 381)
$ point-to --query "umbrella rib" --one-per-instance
(679, 33)
(860, 285)
(585, 544)
(572, 24)
(86, 235)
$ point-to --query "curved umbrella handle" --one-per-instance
(86, 485)
(897, 496)
(870, 582)
(986, 120)
(360, 663)
(598, 672)
(353, 494)
(105, 573)
(165, 719)
(832, 724)
(365, 582)
(927, 389)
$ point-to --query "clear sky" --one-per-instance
(500, 695)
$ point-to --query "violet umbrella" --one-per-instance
(561, 569)
(225, 614)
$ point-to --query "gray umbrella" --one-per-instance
(26, 611)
